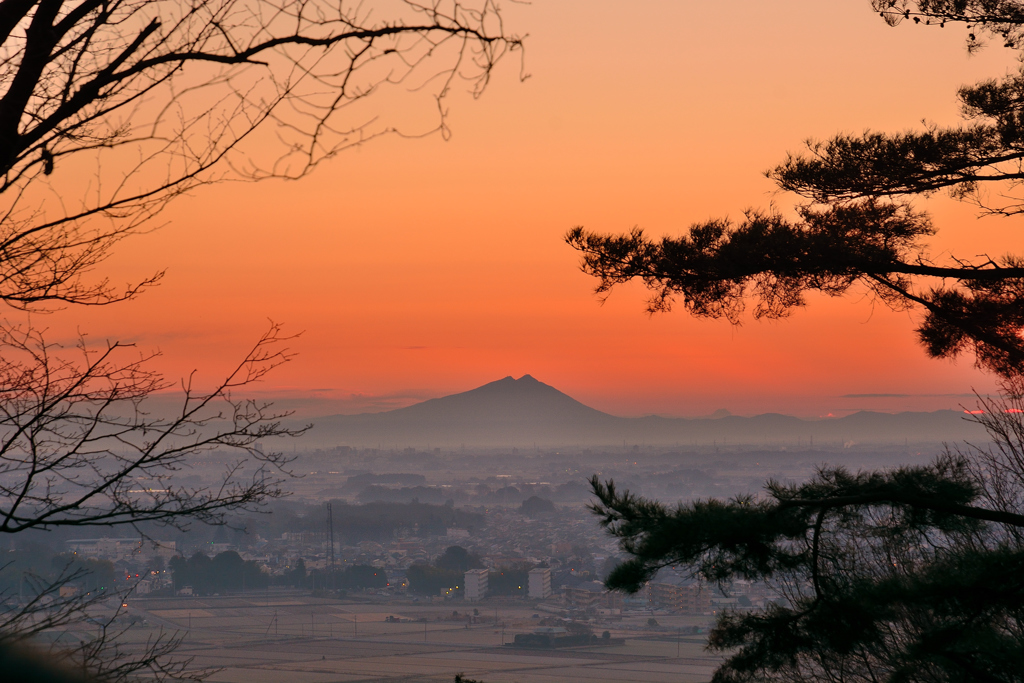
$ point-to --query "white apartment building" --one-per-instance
(540, 583)
(476, 584)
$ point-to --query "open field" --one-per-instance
(300, 639)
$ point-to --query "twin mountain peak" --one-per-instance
(528, 412)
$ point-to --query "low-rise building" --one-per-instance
(687, 597)
(585, 594)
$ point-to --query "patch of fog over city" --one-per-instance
(410, 526)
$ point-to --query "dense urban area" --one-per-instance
(438, 538)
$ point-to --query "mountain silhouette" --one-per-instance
(506, 401)
(526, 412)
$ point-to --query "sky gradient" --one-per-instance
(416, 268)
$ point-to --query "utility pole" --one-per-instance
(330, 529)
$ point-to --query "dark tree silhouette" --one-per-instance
(78, 448)
(457, 559)
(858, 226)
(535, 505)
(360, 576)
(910, 575)
(426, 579)
(109, 109)
(226, 571)
(152, 98)
(511, 579)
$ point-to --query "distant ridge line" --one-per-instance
(527, 411)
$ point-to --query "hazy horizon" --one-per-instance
(418, 268)
(324, 402)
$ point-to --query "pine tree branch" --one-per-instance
(909, 500)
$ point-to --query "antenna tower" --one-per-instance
(330, 528)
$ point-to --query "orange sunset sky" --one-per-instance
(417, 268)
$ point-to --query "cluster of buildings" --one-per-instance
(538, 584)
(567, 549)
(140, 561)
(122, 549)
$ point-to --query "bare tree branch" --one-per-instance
(156, 98)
